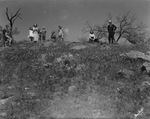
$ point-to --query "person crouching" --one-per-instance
(91, 36)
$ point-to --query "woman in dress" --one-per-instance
(35, 33)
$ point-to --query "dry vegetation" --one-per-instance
(31, 73)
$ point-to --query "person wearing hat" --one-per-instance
(91, 36)
(111, 32)
(43, 34)
(35, 33)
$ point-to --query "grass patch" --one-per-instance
(98, 70)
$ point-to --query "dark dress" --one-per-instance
(43, 35)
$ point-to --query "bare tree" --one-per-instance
(12, 18)
(127, 27)
(100, 30)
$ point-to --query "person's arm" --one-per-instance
(7, 35)
(108, 27)
(115, 27)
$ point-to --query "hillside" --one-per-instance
(73, 80)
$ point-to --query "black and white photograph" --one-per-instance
(74, 59)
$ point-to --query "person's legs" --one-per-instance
(6, 41)
(96, 40)
(44, 37)
(113, 39)
(109, 38)
(32, 38)
(60, 38)
(3, 40)
(10, 41)
(90, 40)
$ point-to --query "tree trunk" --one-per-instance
(11, 29)
(119, 37)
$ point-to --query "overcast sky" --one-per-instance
(70, 14)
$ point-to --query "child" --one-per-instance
(31, 33)
(6, 37)
(91, 36)
(60, 33)
(53, 36)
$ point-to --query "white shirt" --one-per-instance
(30, 33)
(60, 32)
(92, 36)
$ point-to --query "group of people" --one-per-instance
(5, 36)
(111, 32)
(36, 34)
(57, 35)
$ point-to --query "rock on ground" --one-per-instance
(146, 67)
(124, 41)
(136, 55)
(78, 47)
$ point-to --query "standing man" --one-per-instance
(60, 33)
(111, 31)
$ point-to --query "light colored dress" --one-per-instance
(35, 34)
(60, 34)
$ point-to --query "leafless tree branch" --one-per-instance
(12, 18)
